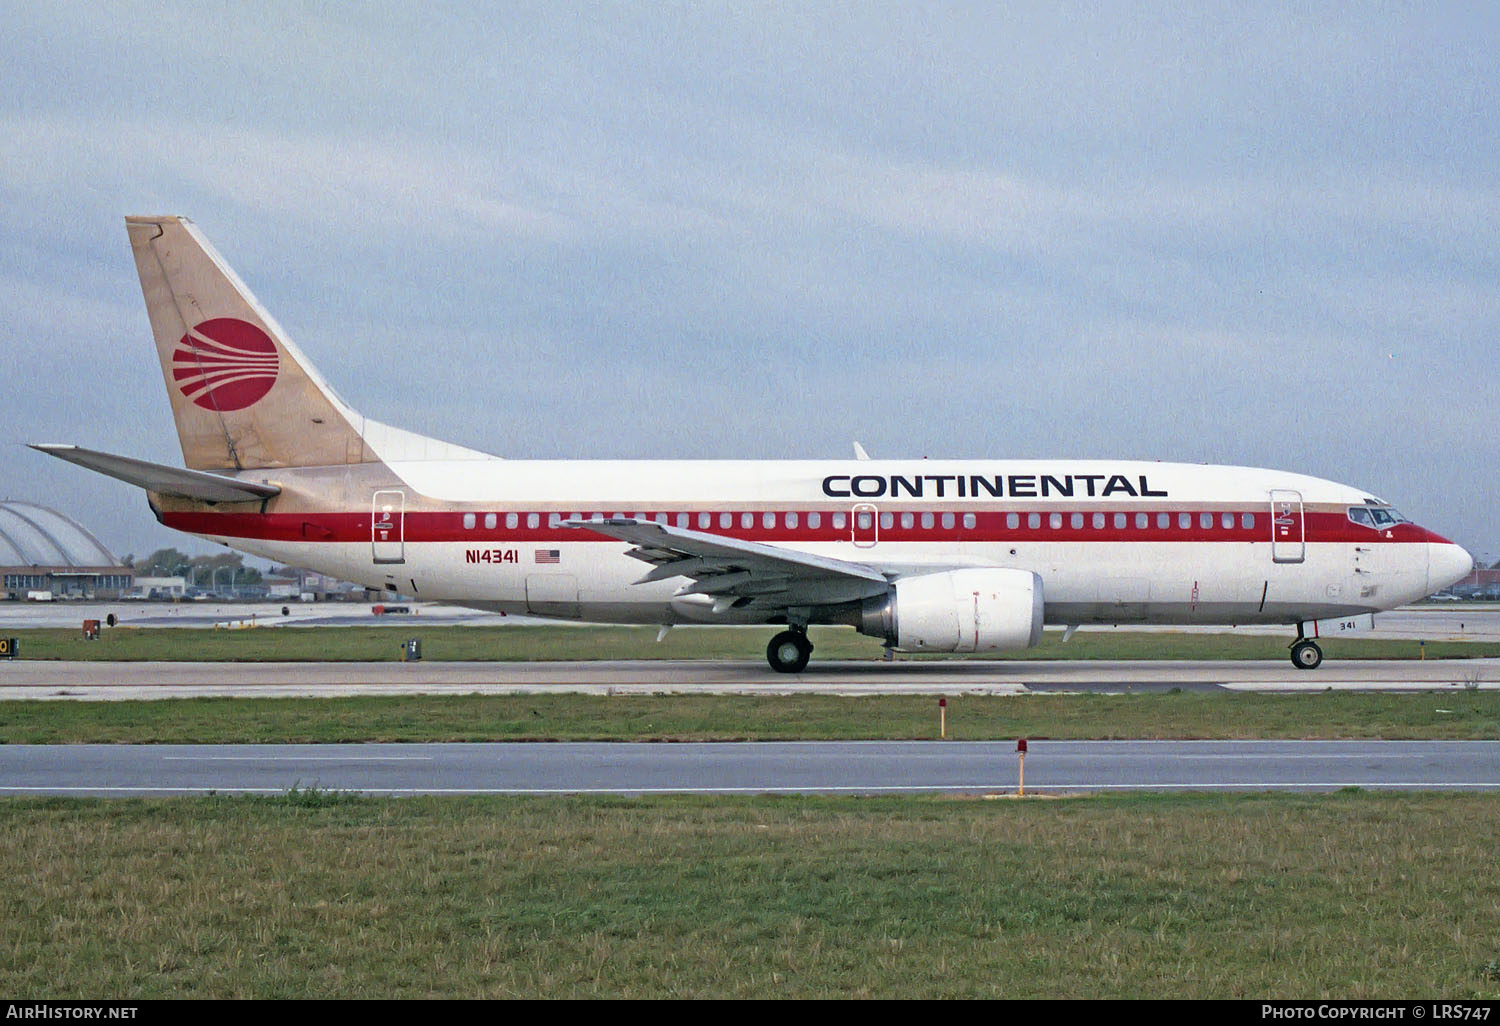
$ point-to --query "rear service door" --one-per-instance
(388, 527)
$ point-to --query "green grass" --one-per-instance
(459, 643)
(1453, 714)
(318, 895)
(1353, 895)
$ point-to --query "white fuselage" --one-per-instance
(930, 555)
(1112, 541)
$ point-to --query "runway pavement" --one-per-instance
(870, 767)
(1451, 621)
(106, 681)
(838, 767)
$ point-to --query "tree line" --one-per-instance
(200, 571)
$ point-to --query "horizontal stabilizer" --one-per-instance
(154, 477)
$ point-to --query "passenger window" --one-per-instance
(792, 520)
(1076, 521)
(1054, 521)
(1012, 520)
(726, 520)
(1033, 520)
(511, 520)
(1119, 521)
(1142, 521)
(814, 520)
(553, 519)
(947, 521)
(768, 520)
(1184, 521)
(682, 520)
(1206, 521)
(926, 521)
(908, 521)
(1163, 521)
(704, 521)
(840, 520)
(747, 520)
(1098, 521)
(887, 519)
(489, 521)
(863, 521)
(969, 521)
(1227, 521)
(532, 520)
(468, 521)
(1247, 521)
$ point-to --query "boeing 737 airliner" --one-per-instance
(926, 555)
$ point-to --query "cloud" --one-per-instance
(728, 231)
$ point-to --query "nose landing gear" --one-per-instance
(1306, 655)
(789, 651)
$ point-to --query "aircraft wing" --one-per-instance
(156, 477)
(739, 573)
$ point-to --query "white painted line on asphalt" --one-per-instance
(1279, 757)
(803, 789)
(143, 791)
(1358, 685)
(297, 758)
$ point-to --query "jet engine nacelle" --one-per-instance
(973, 610)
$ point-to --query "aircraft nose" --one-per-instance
(1446, 564)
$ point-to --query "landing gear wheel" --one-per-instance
(1306, 655)
(788, 652)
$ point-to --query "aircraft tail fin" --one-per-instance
(243, 395)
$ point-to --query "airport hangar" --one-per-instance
(44, 552)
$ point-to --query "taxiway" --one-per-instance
(860, 767)
(106, 681)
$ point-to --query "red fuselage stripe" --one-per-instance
(990, 527)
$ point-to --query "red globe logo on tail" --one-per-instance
(225, 364)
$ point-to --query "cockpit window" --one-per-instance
(1377, 517)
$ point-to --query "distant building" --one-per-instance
(295, 582)
(159, 587)
(44, 553)
(281, 587)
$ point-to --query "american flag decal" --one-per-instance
(548, 556)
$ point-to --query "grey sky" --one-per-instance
(1263, 236)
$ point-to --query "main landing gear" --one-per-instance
(789, 651)
(1306, 655)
